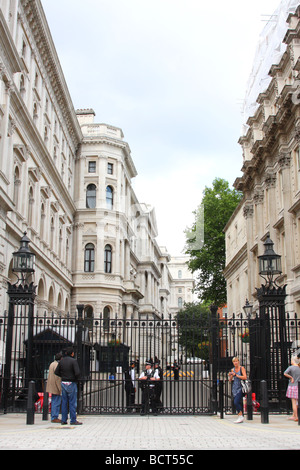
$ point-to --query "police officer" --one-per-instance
(176, 369)
(147, 381)
(130, 386)
(158, 384)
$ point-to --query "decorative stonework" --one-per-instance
(284, 160)
(248, 211)
(258, 198)
(270, 180)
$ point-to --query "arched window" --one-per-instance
(91, 196)
(22, 86)
(30, 206)
(52, 232)
(42, 222)
(107, 259)
(17, 183)
(89, 258)
(88, 316)
(109, 197)
(180, 303)
(106, 318)
(35, 112)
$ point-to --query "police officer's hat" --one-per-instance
(148, 363)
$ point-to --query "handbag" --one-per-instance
(246, 386)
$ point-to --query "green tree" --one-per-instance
(193, 330)
(205, 240)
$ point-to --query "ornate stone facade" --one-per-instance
(67, 181)
(270, 184)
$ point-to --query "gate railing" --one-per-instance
(105, 347)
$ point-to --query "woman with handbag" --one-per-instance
(293, 374)
(237, 374)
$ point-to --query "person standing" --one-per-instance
(68, 370)
(237, 374)
(147, 382)
(130, 386)
(54, 387)
(158, 385)
(293, 374)
(176, 369)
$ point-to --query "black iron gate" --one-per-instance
(195, 355)
(264, 342)
(104, 348)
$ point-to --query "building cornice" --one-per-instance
(236, 261)
(22, 116)
(37, 22)
(8, 48)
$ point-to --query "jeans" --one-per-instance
(55, 406)
(148, 399)
(238, 401)
(69, 397)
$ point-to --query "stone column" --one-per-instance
(248, 214)
(284, 162)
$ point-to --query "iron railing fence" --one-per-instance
(203, 350)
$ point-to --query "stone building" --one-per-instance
(66, 181)
(271, 167)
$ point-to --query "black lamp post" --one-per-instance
(20, 294)
(269, 264)
(214, 355)
(23, 260)
(272, 321)
(248, 308)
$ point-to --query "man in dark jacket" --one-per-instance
(68, 370)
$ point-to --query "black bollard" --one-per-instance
(298, 404)
(30, 403)
(45, 405)
(221, 398)
(249, 406)
(264, 402)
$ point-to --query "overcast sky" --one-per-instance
(172, 74)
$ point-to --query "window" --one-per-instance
(30, 206)
(110, 168)
(92, 167)
(17, 183)
(88, 317)
(35, 112)
(109, 197)
(22, 86)
(36, 80)
(52, 232)
(42, 222)
(106, 318)
(180, 303)
(107, 259)
(91, 196)
(298, 166)
(23, 51)
(89, 258)
(180, 274)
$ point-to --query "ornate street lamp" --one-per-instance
(21, 294)
(248, 308)
(272, 320)
(269, 264)
(23, 260)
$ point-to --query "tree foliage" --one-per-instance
(193, 330)
(205, 240)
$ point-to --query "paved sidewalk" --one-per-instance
(149, 433)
